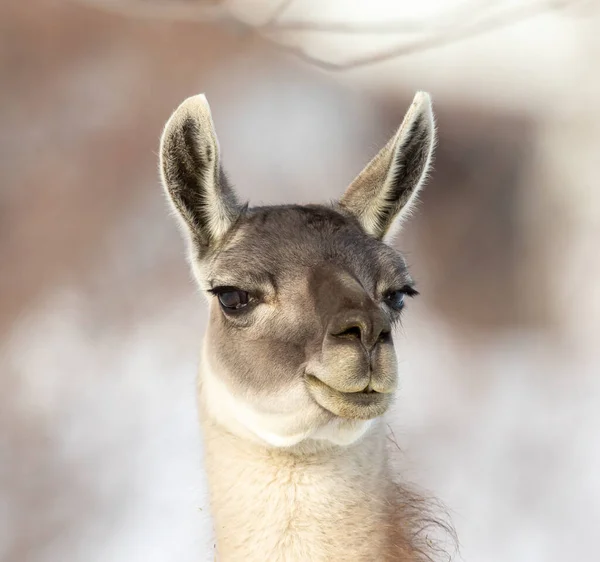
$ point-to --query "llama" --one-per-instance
(298, 364)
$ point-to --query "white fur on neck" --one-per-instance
(273, 429)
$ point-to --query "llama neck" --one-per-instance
(309, 503)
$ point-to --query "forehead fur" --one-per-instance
(270, 243)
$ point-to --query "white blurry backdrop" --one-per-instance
(100, 324)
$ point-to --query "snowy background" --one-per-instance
(100, 324)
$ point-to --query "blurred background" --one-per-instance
(100, 324)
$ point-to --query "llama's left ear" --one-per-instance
(383, 193)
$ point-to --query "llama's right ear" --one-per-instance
(192, 176)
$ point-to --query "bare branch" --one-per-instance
(472, 19)
(469, 9)
(277, 13)
(445, 37)
(352, 28)
(175, 10)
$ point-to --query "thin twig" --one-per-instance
(418, 46)
(277, 13)
(351, 28)
(173, 10)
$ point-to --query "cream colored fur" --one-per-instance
(279, 426)
(280, 494)
(317, 502)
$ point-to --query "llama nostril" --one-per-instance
(368, 327)
(385, 336)
(350, 332)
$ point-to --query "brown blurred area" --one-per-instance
(100, 324)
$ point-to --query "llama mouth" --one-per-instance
(363, 405)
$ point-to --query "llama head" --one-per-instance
(303, 299)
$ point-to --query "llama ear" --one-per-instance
(382, 194)
(192, 176)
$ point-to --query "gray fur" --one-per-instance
(325, 266)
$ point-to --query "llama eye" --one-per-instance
(395, 300)
(231, 298)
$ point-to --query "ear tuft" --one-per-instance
(383, 193)
(192, 175)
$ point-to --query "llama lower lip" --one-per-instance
(350, 405)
